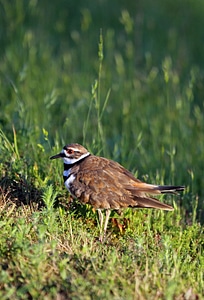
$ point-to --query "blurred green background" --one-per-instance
(149, 82)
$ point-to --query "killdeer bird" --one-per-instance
(106, 185)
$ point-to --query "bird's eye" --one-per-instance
(70, 151)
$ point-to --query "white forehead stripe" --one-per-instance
(70, 161)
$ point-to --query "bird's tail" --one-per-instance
(154, 189)
(170, 188)
(141, 190)
(150, 202)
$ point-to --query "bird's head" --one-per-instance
(72, 153)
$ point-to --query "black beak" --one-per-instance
(59, 155)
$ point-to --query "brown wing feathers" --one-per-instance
(139, 191)
(103, 178)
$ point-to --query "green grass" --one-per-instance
(125, 80)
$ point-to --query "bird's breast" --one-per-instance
(68, 178)
(66, 174)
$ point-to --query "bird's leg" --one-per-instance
(103, 228)
(100, 216)
(108, 211)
